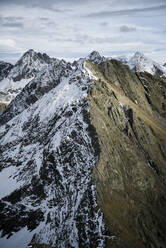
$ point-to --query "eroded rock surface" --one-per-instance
(127, 110)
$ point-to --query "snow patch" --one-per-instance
(7, 181)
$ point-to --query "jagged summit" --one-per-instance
(139, 62)
(14, 78)
(96, 58)
(94, 54)
(29, 64)
(138, 54)
(31, 54)
(29, 51)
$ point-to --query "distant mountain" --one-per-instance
(141, 63)
(96, 58)
(138, 63)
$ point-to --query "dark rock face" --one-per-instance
(131, 172)
(96, 58)
(5, 68)
(52, 151)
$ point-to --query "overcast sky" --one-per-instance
(74, 28)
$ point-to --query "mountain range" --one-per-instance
(82, 152)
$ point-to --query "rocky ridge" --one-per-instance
(48, 151)
(130, 174)
(59, 139)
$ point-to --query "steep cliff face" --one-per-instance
(128, 112)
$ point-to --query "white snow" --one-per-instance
(8, 84)
(90, 73)
(7, 181)
(20, 239)
(140, 63)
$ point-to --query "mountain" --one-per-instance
(82, 155)
(30, 64)
(137, 62)
(47, 164)
(164, 64)
(140, 63)
(5, 68)
(14, 78)
(96, 58)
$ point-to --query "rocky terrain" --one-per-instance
(130, 174)
(13, 78)
(82, 153)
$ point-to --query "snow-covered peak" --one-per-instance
(29, 64)
(30, 51)
(96, 58)
(139, 62)
(26, 69)
(139, 54)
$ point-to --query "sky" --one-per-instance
(74, 28)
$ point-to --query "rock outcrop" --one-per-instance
(128, 111)
(5, 68)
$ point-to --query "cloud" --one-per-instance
(104, 23)
(121, 12)
(49, 4)
(11, 22)
(7, 46)
(89, 39)
(126, 29)
(57, 27)
(13, 25)
(7, 42)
